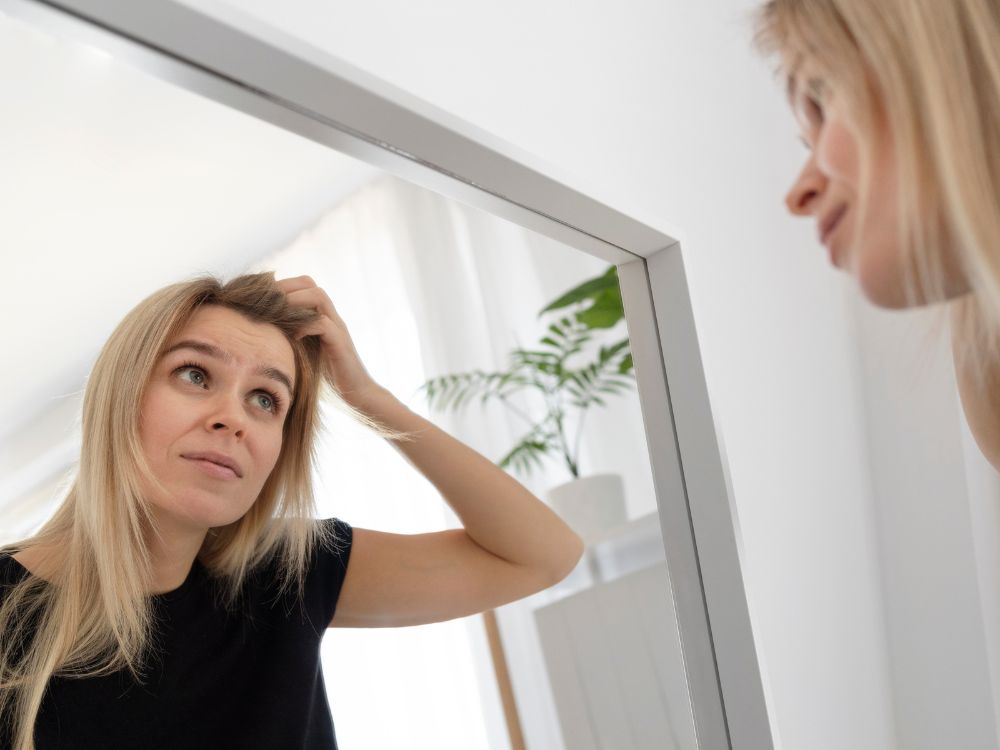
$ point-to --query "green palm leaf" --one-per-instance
(594, 304)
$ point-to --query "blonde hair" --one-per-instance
(931, 69)
(92, 614)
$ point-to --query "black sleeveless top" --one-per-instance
(217, 679)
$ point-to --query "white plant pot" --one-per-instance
(590, 505)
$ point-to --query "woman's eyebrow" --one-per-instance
(791, 76)
(210, 350)
(790, 86)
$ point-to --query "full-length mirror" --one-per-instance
(531, 342)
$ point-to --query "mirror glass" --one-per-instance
(116, 184)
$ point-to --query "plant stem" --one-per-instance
(579, 434)
(518, 412)
(555, 412)
(565, 447)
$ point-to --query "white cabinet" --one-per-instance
(612, 651)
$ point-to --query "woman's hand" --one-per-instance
(349, 375)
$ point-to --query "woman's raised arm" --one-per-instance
(512, 544)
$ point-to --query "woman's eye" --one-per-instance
(809, 113)
(809, 105)
(196, 375)
(196, 372)
(268, 401)
(815, 95)
(814, 111)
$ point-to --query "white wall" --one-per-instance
(936, 499)
(984, 511)
(106, 167)
(663, 110)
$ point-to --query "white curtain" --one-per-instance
(429, 287)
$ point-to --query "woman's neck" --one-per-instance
(172, 553)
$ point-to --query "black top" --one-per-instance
(219, 680)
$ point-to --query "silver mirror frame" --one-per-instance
(246, 65)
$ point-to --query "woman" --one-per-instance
(178, 595)
(899, 105)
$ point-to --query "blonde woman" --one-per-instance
(178, 596)
(899, 106)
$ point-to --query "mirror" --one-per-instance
(119, 182)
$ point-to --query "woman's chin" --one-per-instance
(881, 271)
(882, 284)
(198, 513)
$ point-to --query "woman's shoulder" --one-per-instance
(331, 544)
(12, 568)
(335, 531)
(28, 561)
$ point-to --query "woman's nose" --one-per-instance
(226, 413)
(808, 186)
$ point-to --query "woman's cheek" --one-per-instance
(837, 156)
(880, 268)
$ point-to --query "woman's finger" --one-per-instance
(316, 298)
(295, 283)
(316, 328)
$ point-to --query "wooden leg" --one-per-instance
(503, 681)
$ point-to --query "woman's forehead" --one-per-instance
(235, 337)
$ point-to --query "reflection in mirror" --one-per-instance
(117, 184)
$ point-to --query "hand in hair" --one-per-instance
(511, 545)
(347, 372)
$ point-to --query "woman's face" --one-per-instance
(221, 392)
(828, 189)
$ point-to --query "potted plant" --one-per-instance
(567, 373)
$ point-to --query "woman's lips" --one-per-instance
(831, 223)
(213, 469)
